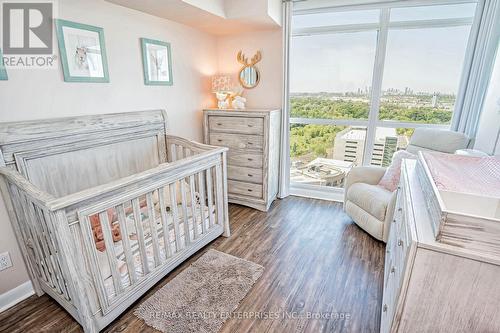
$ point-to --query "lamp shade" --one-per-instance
(221, 83)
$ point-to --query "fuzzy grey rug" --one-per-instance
(202, 296)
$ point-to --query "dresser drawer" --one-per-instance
(241, 158)
(241, 125)
(238, 141)
(243, 188)
(244, 174)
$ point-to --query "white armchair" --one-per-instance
(372, 207)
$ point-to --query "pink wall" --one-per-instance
(268, 93)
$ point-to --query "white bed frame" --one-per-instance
(57, 173)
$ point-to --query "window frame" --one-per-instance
(382, 28)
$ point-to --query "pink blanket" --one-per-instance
(465, 174)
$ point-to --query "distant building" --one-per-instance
(350, 145)
(321, 171)
(434, 100)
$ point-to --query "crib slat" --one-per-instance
(129, 259)
(41, 245)
(140, 235)
(201, 190)
(164, 222)
(173, 152)
(210, 198)
(153, 229)
(49, 250)
(175, 216)
(68, 285)
(55, 254)
(180, 152)
(192, 190)
(219, 196)
(187, 235)
(34, 241)
(110, 251)
(16, 200)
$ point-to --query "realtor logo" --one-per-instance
(27, 27)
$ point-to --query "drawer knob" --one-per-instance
(250, 143)
(219, 124)
(384, 308)
(219, 140)
(250, 125)
(250, 175)
(393, 269)
(249, 190)
(400, 209)
(400, 242)
(250, 159)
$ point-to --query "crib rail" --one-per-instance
(133, 235)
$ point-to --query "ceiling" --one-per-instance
(218, 17)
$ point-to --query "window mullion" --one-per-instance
(378, 72)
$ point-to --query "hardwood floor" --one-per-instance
(317, 263)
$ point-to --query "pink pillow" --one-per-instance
(390, 180)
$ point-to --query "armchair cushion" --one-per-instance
(373, 199)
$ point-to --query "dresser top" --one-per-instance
(247, 111)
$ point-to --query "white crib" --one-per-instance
(104, 206)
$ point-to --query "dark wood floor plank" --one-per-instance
(316, 262)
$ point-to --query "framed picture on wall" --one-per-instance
(3, 71)
(83, 52)
(157, 62)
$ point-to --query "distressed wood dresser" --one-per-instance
(253, 139)
(430, 286)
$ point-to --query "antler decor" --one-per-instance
(249, 75)
(244, 60)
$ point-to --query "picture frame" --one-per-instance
(3, 70)
(82, 51)
(157, 62)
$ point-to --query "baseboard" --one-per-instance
(16, 295)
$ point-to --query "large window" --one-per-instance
(362, 80)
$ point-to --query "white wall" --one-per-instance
(489, 124)
(32, 94)
(268, 93)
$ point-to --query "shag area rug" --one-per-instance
(202, 296)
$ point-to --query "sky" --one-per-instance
(425, 60)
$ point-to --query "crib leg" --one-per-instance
(72, 263)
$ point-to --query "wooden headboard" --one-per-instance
(67, 155)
